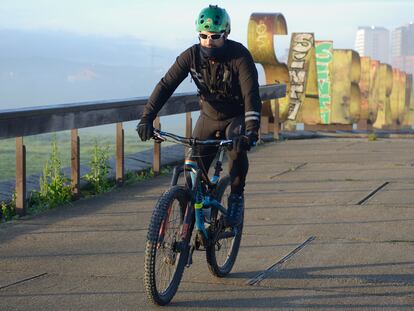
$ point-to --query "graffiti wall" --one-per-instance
(409, 100)
(384, 90)
(329, 86)
(398, 91)
(345, 92)
(300, 54)
(324, 58)
(364, 87)
(374, 91)
(261, 31)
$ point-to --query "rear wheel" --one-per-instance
(166, 251)
(222, 252)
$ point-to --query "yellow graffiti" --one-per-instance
(261, 31)
(344, 91)
(345, 79)
(364, 86)
(384, 118)
(409, 100)
(374, 91)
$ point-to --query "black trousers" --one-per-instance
(207, 128)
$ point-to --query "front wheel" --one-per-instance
(222, 253)
(166, 251)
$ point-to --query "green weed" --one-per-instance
(54, 186)
(99, 164)
(372, 137)
(8, 210)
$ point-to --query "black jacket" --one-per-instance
(228, 87)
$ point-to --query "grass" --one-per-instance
(38, 149)
(372, 137)
(55, 188)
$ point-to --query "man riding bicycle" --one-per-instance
(227, 82)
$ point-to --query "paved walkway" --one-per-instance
(359, 252)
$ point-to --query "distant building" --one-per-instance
(402, 48)
(373, 42)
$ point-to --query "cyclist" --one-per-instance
(227, 81)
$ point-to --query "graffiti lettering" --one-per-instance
(261, 38)
(323, 51)
(301, 44)
(297, 77)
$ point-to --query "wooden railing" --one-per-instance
(46, 119)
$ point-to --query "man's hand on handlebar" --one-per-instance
(145, 129)
(245, 142)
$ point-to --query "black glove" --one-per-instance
(253, 138)
(145, 129)
(245, 142)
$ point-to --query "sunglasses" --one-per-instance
(212, 37)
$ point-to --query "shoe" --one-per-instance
(235, 207)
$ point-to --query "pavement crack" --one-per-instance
(289, 170)
(262, 275)
(23, 280)
(372, 193)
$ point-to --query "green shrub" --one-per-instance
(372, 137)
(98, 176)
(133, 177)
(54, 186)
(8, 210)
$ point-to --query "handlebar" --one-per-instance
(161, 136)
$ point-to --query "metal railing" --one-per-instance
(22, 122)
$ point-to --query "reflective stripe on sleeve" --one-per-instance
(252, 113)
(251, 118)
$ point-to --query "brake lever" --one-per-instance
(158, 138)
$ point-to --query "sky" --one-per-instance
(171, 23)
(62, 51)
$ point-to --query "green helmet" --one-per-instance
(213, 19)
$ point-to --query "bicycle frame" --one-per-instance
(200, 200)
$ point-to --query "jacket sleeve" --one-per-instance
(167, 85)
(249, 86)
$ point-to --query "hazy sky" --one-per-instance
(171, 23)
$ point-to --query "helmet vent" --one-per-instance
(202, 21)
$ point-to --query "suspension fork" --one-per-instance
(164, 225)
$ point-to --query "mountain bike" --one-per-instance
(200, 206)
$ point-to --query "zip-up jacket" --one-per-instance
(227, 87)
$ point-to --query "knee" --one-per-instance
(237, 156)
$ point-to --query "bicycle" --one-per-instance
(200, 203)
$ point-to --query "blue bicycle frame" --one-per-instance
(202, 202)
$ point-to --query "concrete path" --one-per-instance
(358, 252)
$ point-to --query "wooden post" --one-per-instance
(20, 177)
(156, 163)
(120, 154)
(362, 125)
(75, 163)
(188, 128)
(264, 124)
(276, 127)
